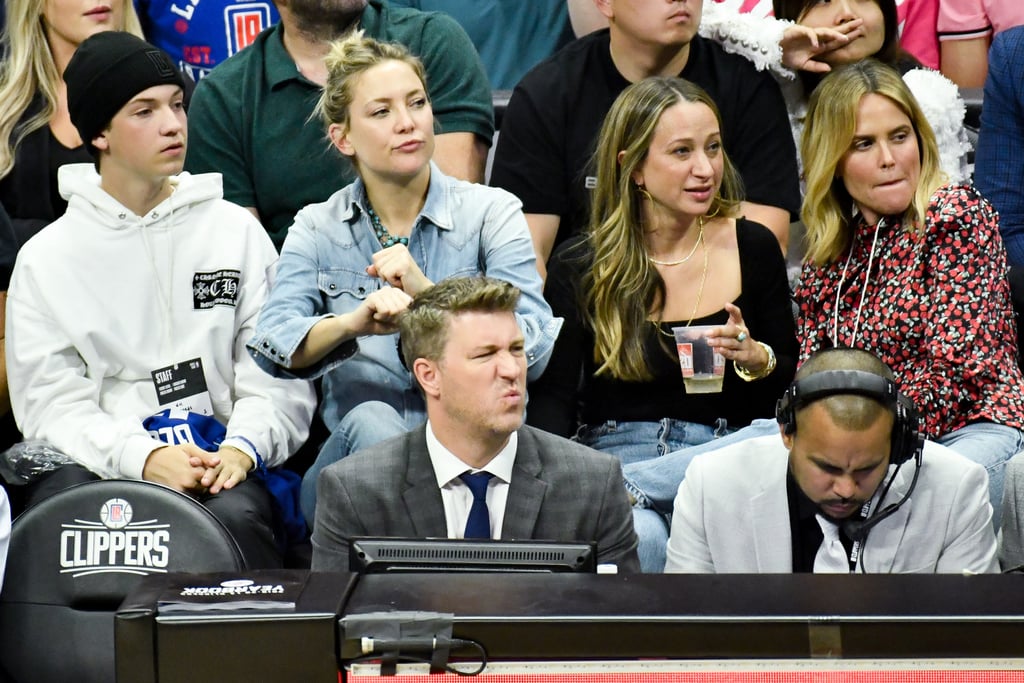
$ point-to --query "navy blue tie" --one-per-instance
(479, 523)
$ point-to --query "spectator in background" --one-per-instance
(36, 133)
(554, 115)
(200, 35)
(918, 21)
(872, 28)
(585, 17)
(966, 29)
(252, 118)
(510, 35)
(916, 18)
(999, 163)
(351, 264)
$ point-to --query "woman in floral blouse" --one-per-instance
(903, 265)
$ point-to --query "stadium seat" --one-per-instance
(76, 555)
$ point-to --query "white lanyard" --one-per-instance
(863, 293)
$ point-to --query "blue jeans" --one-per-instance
(654, 482)
(633, 442)
(365, 425)
(990, 445)
(647, 442)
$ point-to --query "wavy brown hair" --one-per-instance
(622, 288)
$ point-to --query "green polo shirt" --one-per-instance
(249, 118)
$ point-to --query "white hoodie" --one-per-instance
(102, 297)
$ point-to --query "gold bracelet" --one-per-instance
(748, 376)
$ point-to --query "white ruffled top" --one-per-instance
(757, 38)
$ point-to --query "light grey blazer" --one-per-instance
(560, 491)
(732, 515)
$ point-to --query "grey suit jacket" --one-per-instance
(1011, 537)
(560, 491)
(732, 515)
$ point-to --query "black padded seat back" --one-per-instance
(75, 556)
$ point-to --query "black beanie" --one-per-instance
(107, 70)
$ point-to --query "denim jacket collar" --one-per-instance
(437, 208)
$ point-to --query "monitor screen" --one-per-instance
(376, 555)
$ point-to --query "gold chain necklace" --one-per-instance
(700, 290)
(700, 240)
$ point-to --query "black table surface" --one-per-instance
(582, 615)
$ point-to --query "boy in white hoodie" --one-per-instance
(139, 301)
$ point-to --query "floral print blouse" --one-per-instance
(934, 306)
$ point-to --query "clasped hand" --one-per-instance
(190, 469)
(396, 267)
(379, 313)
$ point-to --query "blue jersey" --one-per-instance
(200, 34)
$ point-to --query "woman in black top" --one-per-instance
(663, 250)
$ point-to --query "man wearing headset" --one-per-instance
(849, 485)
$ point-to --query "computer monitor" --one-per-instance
(378, 555)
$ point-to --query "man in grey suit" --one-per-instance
(462, 343)
(848, 485)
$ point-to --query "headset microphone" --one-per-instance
(857, 529)
(907, 441)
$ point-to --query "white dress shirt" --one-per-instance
(457, 497)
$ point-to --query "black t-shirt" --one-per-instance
(8, 249)
(767, 312)
(549, 130)
(60, 156)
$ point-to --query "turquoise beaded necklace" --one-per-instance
(385, 237)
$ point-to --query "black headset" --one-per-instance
(907, 438)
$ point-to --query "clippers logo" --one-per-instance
(244, 22)
(115, 544)
(219, 288)
(116, 513)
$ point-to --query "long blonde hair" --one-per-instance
(28, 68)
(828, 209)
(622, 286)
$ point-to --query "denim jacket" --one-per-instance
(463, 229)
